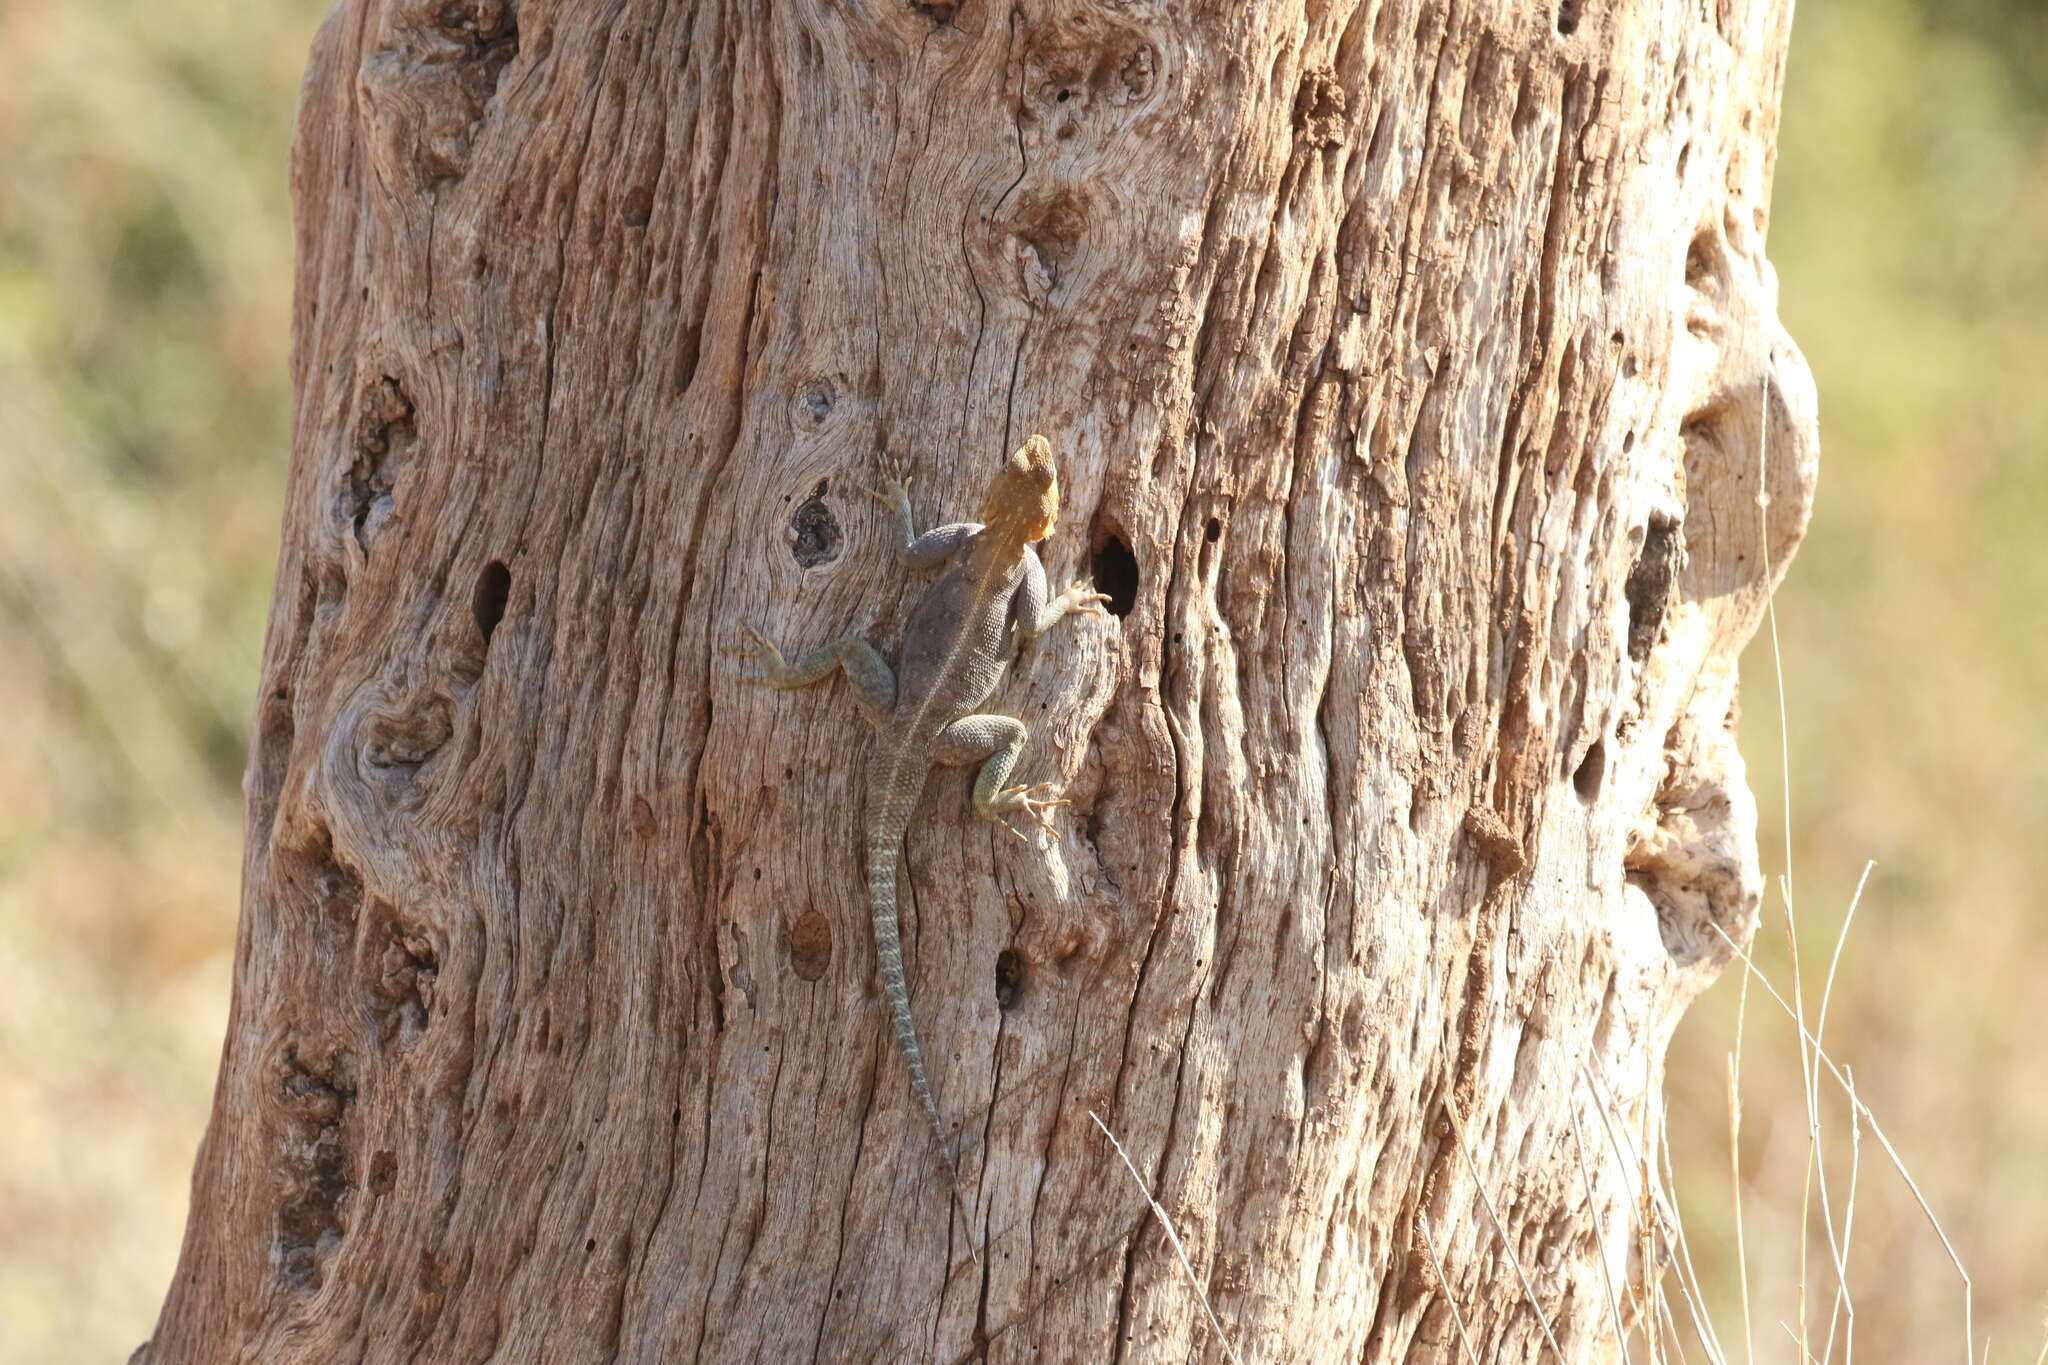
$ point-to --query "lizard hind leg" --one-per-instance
(996, 742)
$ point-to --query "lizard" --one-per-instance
(961, 634)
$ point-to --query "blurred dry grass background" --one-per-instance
(144, 278)
(1910, 234)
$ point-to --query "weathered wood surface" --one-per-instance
(1411, 367)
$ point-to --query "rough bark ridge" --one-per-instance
(1415, 373)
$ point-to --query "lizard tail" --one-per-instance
(884, 851)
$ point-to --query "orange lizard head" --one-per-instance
(1024, 497)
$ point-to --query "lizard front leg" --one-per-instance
(995, 742)
(874, 686)
(1032, 615)
(916, 551)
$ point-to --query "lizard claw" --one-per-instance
(895, 485)
(1082, 597)
(760, 650)
(1026, 799)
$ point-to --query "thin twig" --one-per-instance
(1688, 1277)
(1811, 1085)
(1898, 1164)
(1174, 1237)
(1671, 1328)
(1599, 1237)
(1820, 1025)
(1842, 1304)
(1815, 1163)
(1646, 1253)
(1735, 1166)
(1810, 1091)
(1654, 1223)
(1450, 1300)
(1804, 1353)
(1845, 1306)
(1528, 1290)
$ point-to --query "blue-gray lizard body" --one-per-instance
(959, 637)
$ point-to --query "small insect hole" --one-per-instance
(493, 588)
(1699, 257)
(1592, 773)
(687, 346)
(1009, 978)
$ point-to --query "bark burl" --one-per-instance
(1418, 395)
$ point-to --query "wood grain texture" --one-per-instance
(1415, 376)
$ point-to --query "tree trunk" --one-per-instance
(1417, 388)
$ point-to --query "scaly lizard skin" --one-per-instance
(960, 636)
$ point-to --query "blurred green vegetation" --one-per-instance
(144, 286)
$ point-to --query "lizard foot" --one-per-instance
(760, 651)
(894, 490)
(1027, 799)
(1082, 597)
